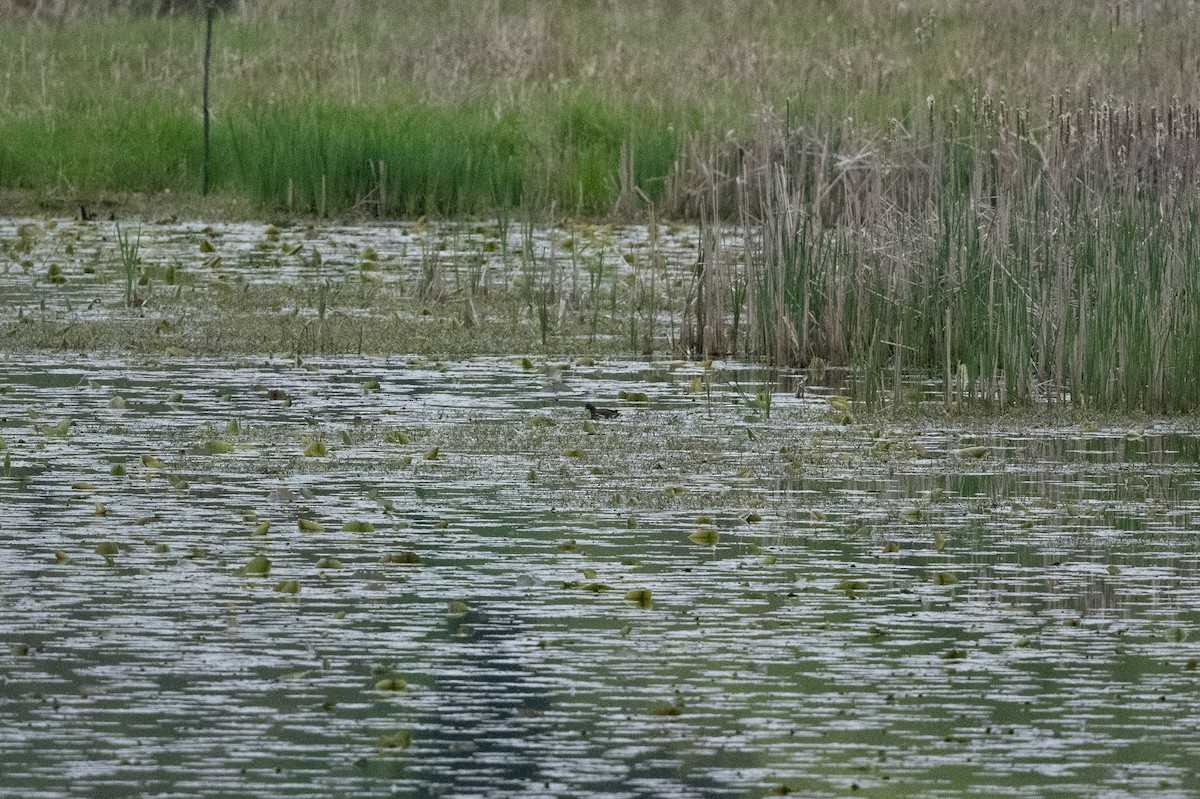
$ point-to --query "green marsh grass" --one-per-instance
(383, 109)
(131, 262)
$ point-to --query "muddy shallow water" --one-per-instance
(835, 607)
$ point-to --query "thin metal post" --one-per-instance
(210, 12)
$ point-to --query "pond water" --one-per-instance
(369, 576)
(69, 269)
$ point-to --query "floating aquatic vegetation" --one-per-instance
(705, 537)
(641, 597)
(358, 527)
(406, 558)
(852, 588)
(57, 430)
(215, 446)
(259, 565)
(394, 740)
(288, 586)
(970, 452)
(309, 525)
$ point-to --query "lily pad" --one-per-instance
(309, 526)
(394, 740)
(259, 565)
(642, 597)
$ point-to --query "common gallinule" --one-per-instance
(600, 413)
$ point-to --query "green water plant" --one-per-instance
(130, 262)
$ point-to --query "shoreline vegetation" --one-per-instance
(1003, 197)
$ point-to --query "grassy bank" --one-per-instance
(451, 108)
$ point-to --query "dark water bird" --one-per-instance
(600, 413)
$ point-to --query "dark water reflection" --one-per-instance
(898, 618)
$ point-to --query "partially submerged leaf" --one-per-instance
(259, 565)
(641, 596)
(970, 452)
(394, 740)
(852, 587)
(58, 430)
(309, 525)
(666, 708)
(215, 446)
(705, 537)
